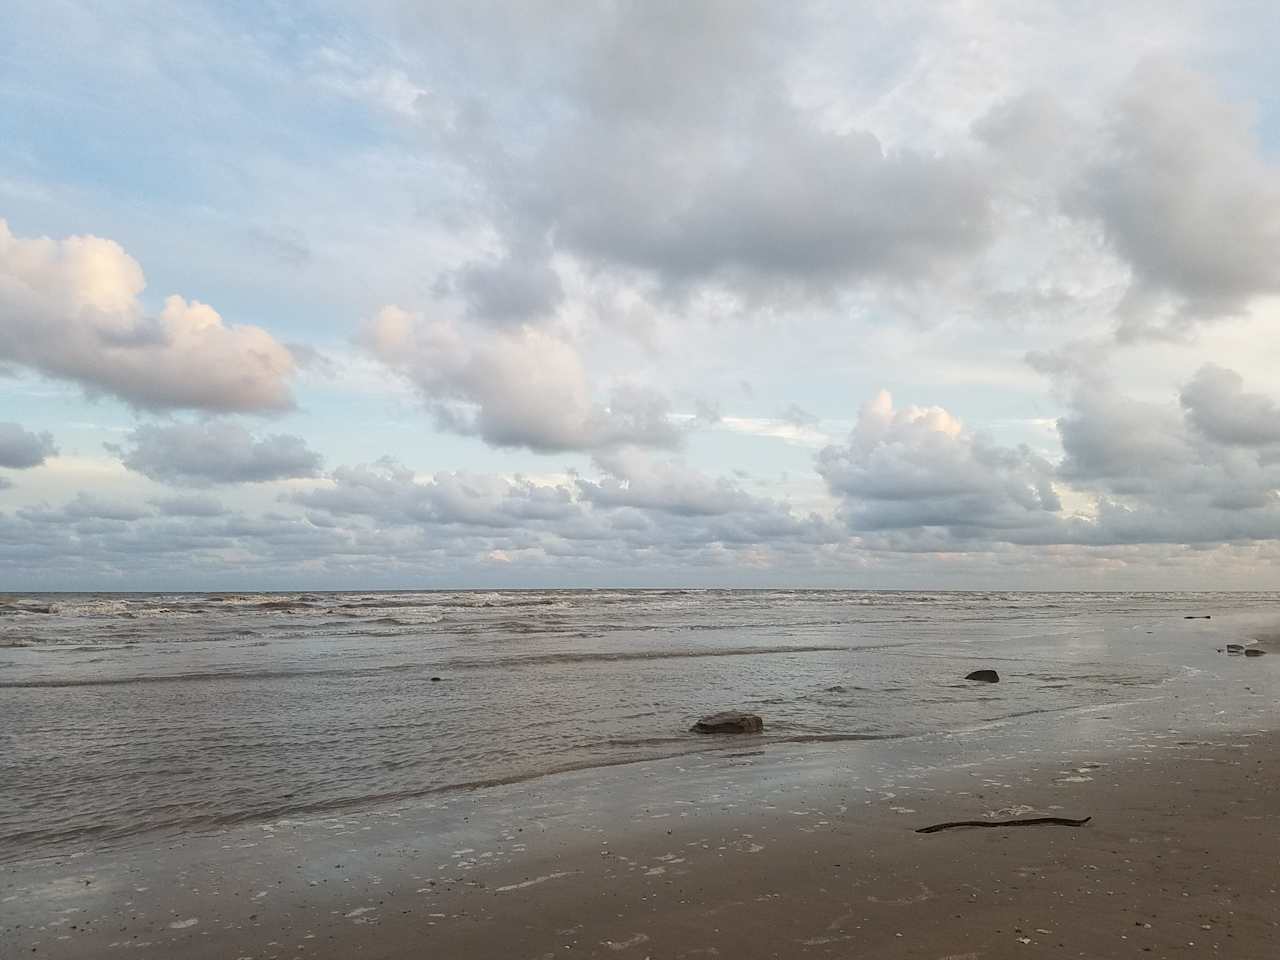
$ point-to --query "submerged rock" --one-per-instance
(985, 676)
(730, 721)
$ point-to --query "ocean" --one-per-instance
(124, 717)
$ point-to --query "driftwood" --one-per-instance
(1029, 821)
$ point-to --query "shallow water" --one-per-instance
(128, 715)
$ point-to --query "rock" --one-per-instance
(731, 721)
(1235, 648)
(985, 676)
(1254, 652)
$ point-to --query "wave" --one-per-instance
(443, 666)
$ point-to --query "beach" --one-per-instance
(751, 846)
(736, 856)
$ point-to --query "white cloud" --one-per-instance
(920, 467)
(520, 387)
(802, 434)
(70, 309)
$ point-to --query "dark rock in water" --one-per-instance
(1198, 616)
(1235, 648)
(731, 721)
(986, 676)
(1254, 652)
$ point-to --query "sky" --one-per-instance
(411, 294)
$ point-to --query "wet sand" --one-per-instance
(798, 852)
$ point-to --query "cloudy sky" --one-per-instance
(414, 294)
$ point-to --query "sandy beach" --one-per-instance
(799, 851)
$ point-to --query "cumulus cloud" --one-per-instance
(779, 202)
(21, 449)
(521, 387)
(921, 467)
(1205, 469)
(214, 451)
(1219, 407)
(70, 309)
(1124, 445)
(1138, 472)
(677, 150)
(1185, 195)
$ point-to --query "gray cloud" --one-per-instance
(1033, 129)
(1186, 196)
(1125, 445)
(70, 309)
(667, 486)
(194, 505)
(87, 509)
(21, 449)
(1196, 472)
(210, 452)
(1206, 471)
(515, 388)
(518, 287)
(389, 493)
(664, 138)
(1218, 407)
(638, 504)
(782, 203)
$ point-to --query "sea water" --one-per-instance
(126, 716)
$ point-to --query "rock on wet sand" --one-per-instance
(730, 721)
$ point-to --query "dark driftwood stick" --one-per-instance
(1062, 821)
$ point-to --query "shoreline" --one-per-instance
(903, 681)
(778, 850)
